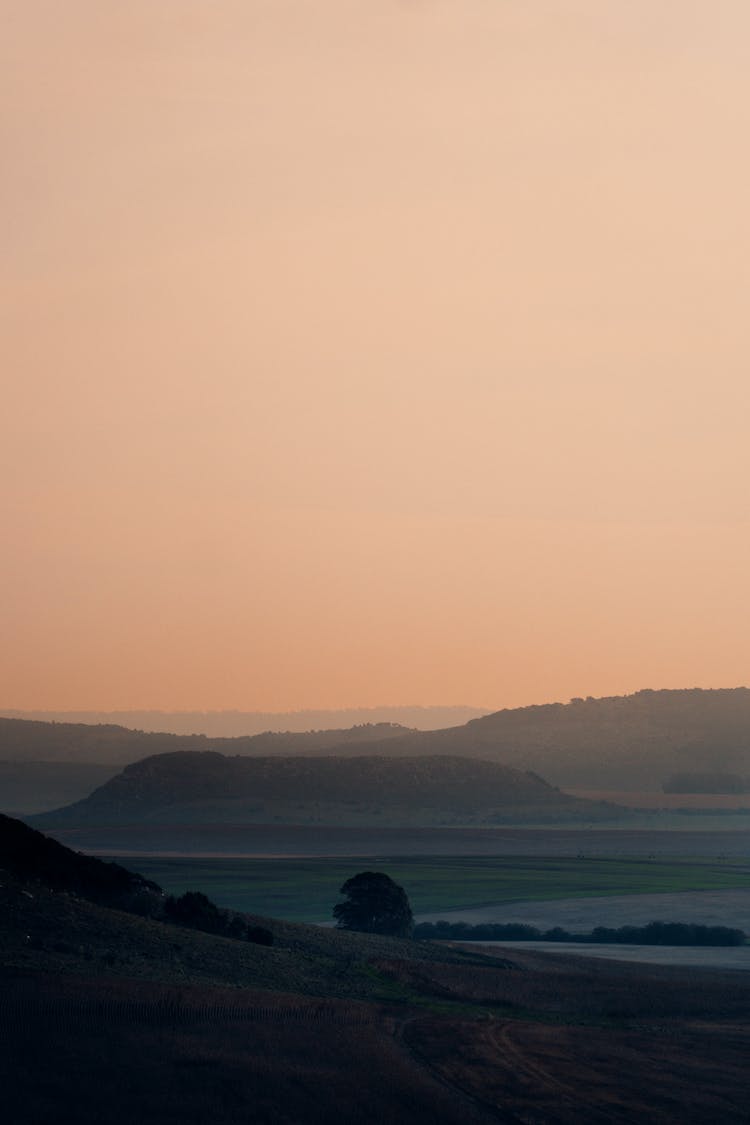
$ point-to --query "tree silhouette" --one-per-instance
(375, 905)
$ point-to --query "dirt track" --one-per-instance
(542, 1074)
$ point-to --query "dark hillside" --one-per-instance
(28, 855)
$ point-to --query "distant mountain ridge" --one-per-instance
(630, 742)
(35, 741)
(203, 787)
(238, 724)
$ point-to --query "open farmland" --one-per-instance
(292, 840)
(656, 799)
(305, 889)
(579, 915)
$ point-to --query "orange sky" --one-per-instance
(364, 352)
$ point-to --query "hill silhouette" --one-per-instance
(30, 740)
(631, 742)
(235, 724)
(29, 855)
(620, 742)
(206, 786)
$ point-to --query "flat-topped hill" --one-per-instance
(204, 787)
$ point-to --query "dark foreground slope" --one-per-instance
(208, 787)
(29, 856)
(107, 1018)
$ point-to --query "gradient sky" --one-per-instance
(363, 352)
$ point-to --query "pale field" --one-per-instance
(703, 957)
(707, 908)
(653, 799)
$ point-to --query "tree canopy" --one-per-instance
(374, 905)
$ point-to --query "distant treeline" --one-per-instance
(654, 933)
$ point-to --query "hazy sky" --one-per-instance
(363, 352)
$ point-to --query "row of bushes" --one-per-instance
(654, 933)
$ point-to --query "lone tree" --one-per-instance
(375, 905)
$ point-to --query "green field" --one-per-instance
(306, 889)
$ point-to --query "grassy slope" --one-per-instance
(60, 933)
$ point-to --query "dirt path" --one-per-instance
(503, 1036)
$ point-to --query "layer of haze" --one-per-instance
(364, 352)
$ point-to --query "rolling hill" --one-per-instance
(235, 724)
(631, 742)
(634, 742)
(28, 740)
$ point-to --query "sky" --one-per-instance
(364, 352)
